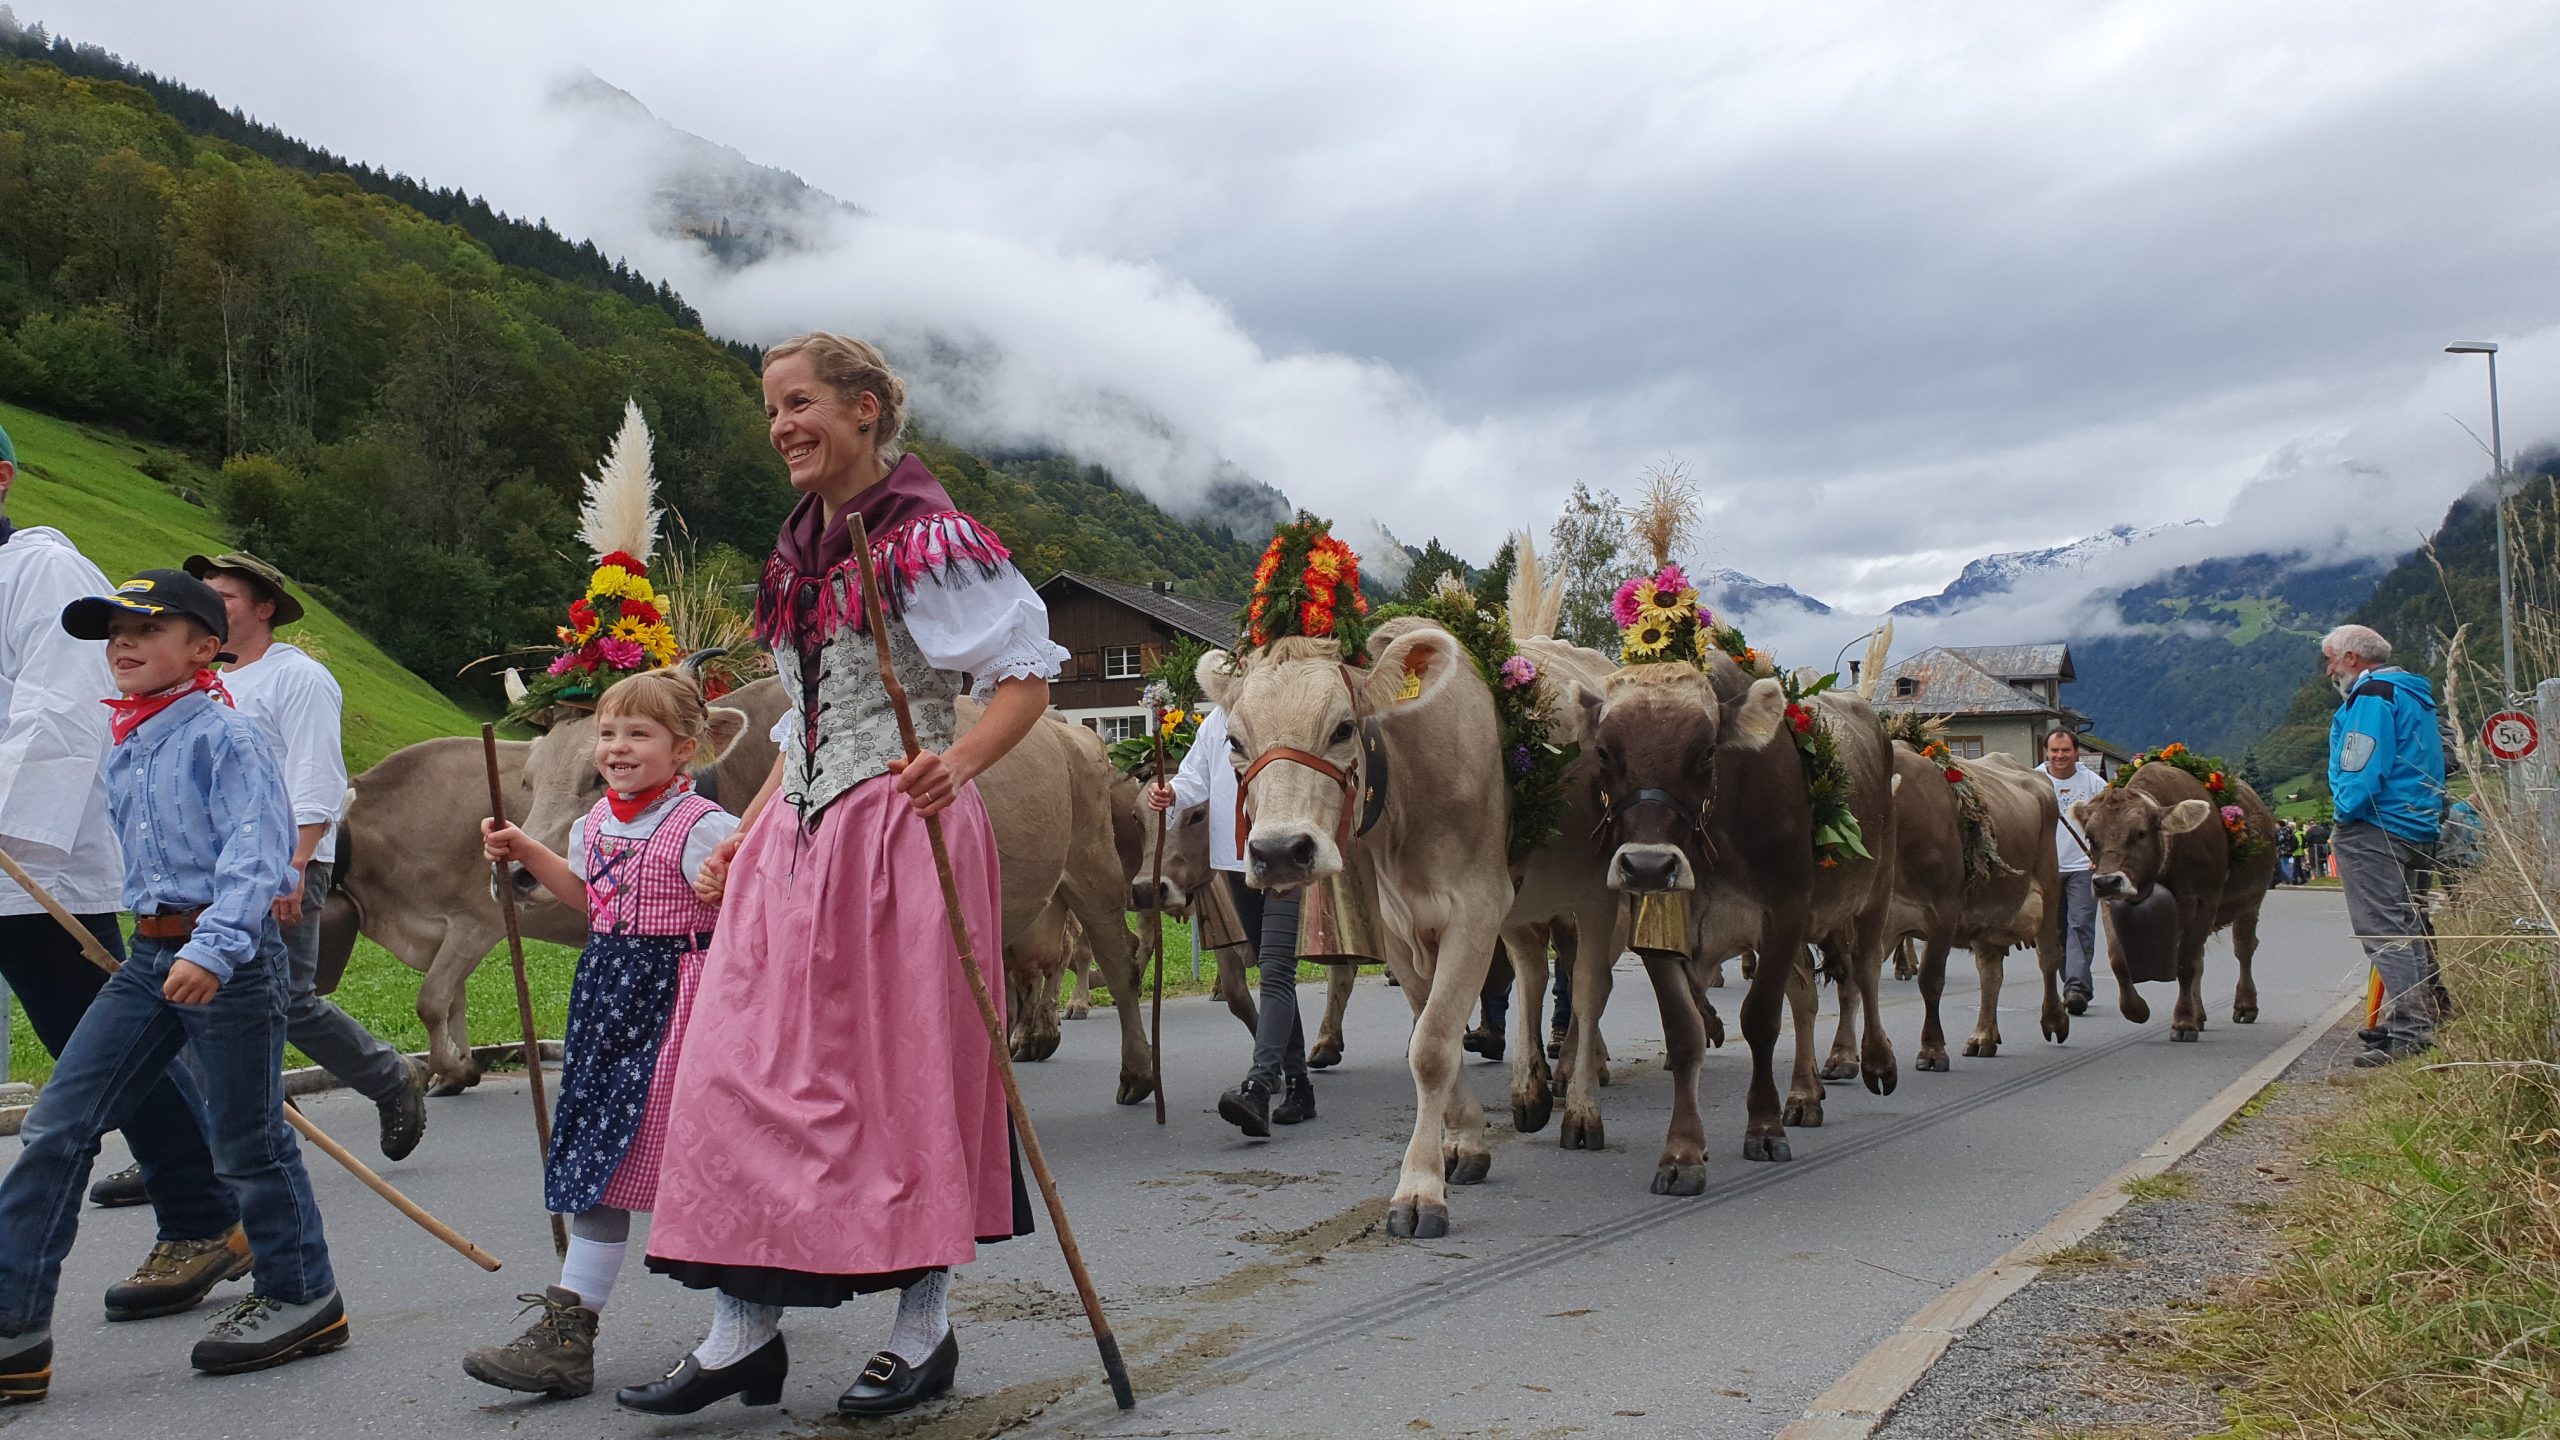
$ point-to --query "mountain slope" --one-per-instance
(86, 483)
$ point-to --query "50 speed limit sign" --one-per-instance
(2511, 735)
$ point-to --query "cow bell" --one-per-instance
(1220, 929)
(1338, 922)
(1661, 925)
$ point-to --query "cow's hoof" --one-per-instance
(1934, 1062)
(2135, 1008)
(1326, 1055)
(1837, 1068)
(1680, 1179)
(1584, 1132)
(446, 1089)
(2240, 1016)
(1766, 1147)
(1077, 1012)
(1134, 1090)
(1467, 1167)
(1426, 1220)
(1981, 1049)
(1528, 1117)
(1804, 1114)
(1882, 1079)
(2185, 1035)
(1715, 1029)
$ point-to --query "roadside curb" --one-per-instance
(312, 1080)
(1861, 1399)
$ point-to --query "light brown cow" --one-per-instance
(1708, 798)
(2160, 832)
(1935, 903)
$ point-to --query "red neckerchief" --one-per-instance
(130, 712)
(629, 810)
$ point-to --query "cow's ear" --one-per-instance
(2080, 809)
(2186, 815)
(726, 726)
(1216, 673)
(1757, 716)
(1414, 668)
(1594, 705)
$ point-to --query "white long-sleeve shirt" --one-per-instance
(297, 702)
(1208, 774)
(53, 731)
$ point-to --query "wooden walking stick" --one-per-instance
(874, 616)
(1155, 1025)
(97, 955)
(524, 991)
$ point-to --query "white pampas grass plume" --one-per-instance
(1871, 674)
(620, 510)
(1535, 603)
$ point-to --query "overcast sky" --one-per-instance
(1900, 283)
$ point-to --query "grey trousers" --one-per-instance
(1279, 1040)
(2384, 875)
(329, 1035)
(2079, 931)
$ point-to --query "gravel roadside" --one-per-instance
(2054, 1359)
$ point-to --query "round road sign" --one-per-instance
(2511, 735)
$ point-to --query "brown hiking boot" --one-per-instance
(178, 1274)
(555, 1356)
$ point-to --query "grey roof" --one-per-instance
(1210, 620)
(2020, 662)
(1951, 682)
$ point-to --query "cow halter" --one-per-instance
(1611, 816)
(1370, 797)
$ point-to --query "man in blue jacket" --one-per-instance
(2386, 777)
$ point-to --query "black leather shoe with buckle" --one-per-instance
(756, 1380)
(890, 1386)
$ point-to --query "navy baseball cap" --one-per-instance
(151, 592)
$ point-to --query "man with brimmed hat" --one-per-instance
(295, 699)
(54, 823)
(199, 804)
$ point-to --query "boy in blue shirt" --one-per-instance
(200, 805)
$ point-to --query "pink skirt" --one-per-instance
(634, 1185)
(837, 1117)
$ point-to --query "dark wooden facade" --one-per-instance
(1093, 618)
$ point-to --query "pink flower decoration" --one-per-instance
(620, 654)
(1672, 578)
(1519, 670)
(2233, 815)
(563, 665)
(1627, 606)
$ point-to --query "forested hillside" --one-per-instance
(397, 417)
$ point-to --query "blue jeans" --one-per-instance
(120, 1051)
(164, 1126)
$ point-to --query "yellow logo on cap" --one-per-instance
(136, 585)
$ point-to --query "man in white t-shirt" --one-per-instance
(297, 701)
(53, 823)
(2071, 785)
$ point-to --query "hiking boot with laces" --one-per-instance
(1248, 1108)
(261, 1331)
(1297, 1102)
(177, 1274)
(555, 1356)
(404, 1116)
(116, 1191)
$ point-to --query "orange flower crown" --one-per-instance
(1307, 583)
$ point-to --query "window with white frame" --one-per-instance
(1966, 747)
(1121, 727)
(1121, 662)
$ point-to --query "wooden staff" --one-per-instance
(1155, 1026)
(874, 616)
(524, 989)
(97, 955)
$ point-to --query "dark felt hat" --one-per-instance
(152, 592)
(269, 578)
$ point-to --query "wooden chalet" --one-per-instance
(1113, 631)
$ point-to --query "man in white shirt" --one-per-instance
(296, 699)
(2071, 785)
(53, 823)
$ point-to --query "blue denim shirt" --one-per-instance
(199, 802)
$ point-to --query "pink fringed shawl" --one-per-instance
(810, 590)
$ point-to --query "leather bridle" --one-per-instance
(1348, 781)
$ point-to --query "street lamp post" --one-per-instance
(2498, 491)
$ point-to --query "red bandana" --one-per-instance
(131, 712)
(629, 810)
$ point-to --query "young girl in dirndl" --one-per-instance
(841, 1130)
(632, 862)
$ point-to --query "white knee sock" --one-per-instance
(591, 1269)
(739, 1328)
(923, 1318)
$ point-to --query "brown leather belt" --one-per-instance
(176, 925)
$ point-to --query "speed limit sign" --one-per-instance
(2511, 735)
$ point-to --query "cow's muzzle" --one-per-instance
(1650, 870)
(1287, 860)
(2111, 884)
(1146, 894)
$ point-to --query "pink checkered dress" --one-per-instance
(641, 914)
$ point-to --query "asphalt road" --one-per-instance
(1251, 1283)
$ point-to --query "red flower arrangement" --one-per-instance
(1307, 583)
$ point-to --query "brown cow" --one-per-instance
(1193, 889)
(2160, 831)
(1708, 798)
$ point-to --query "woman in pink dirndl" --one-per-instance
(838, 1128)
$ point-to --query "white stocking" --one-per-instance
(739, 1328)
(924, 1317)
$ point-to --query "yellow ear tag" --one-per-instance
(1412, 686)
